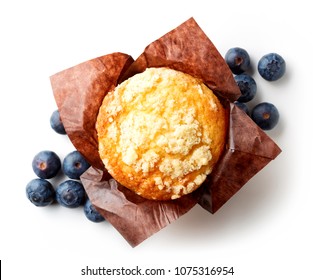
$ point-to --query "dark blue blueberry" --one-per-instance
(70, 194)
(46, 164)
(247, 86)
(91, 212)
(272, 67)
(74, 165)
(242, 106)
(265, 115)
(40, 192)
(56, 123)
(238, 60)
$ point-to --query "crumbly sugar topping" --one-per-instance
(161, 122)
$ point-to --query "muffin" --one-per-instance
(160, 133)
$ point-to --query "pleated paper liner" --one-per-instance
(79, 92)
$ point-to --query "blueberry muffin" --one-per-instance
(161, 132)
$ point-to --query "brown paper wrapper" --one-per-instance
(135, 217)
(188, 49)
(248, 150)
(79, 92)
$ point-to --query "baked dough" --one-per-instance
(160, 133)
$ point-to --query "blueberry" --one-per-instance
(91, 212)
(247, 86)
(265, 115)
(238, 60)
(272, 67)
(46, 164)
(56, 123)
(74, 165)
(40, 192)
(242, 106)
(70, 194)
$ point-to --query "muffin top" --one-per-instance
(160, 133)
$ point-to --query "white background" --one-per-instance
(264, 231)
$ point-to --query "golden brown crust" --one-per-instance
(160, 133)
